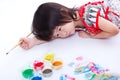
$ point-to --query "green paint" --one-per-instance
(92, 77)
(27, 73)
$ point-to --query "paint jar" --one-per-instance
(28, 73)
(38, 65)
(57, 64)
(36, 78)
(47, 72)
(49, 57)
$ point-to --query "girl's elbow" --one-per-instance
(115, 31)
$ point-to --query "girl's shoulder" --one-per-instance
(89, 14)
(90, 7)
(90, 11)
(93, 4)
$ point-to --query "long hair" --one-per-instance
(48, 16)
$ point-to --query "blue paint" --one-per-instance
(37, 78)
(62, 77)
(83, 69)
(113, 78)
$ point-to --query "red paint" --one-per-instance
(38, 65)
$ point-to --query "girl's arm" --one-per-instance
(108, 30)
(28, 43)
(37, 42)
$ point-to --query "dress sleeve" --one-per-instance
(90, 17)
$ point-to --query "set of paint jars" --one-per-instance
(42, 68)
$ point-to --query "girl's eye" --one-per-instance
(57, 35)
(59, 29)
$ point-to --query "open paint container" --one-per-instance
(28, 73)
(57, 64)
(36, 78)
(38, 65)
(47, 72)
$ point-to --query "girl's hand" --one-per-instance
(27, 43)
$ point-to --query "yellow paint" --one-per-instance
(49, 57)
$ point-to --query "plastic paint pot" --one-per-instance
(38, 65)
(27, 73)
(47, 72)
(37, 78)
(49, 57)
(57, 64)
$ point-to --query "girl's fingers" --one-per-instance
(24, 44)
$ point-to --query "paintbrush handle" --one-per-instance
(28, 35)
(16, 45)
(19, 42)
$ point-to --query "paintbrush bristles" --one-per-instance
(15, 46)
(7, 53)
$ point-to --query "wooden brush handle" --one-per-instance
(19, 42)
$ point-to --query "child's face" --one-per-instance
(64, 31)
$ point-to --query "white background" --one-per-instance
(15, 22)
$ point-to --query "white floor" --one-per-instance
(15, 22)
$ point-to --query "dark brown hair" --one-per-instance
(48, 16)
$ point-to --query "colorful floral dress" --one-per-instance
(89, 13)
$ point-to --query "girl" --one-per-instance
(91, 20)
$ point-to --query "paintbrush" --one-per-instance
(17, 44)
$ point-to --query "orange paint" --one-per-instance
(57, 63)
